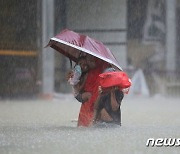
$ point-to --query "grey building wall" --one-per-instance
(104, 20)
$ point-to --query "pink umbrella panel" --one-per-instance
(72, 44)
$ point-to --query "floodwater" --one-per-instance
(37, 126)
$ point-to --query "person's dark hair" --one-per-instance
(79, 58)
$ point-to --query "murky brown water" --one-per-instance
(46, 127)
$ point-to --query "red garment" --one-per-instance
(91, 85)
(110, 79)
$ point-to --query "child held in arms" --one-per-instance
(77, 78)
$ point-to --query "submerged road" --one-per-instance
(37, 126)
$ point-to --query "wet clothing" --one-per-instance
(91, 85)
(105, 102)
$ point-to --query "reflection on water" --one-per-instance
(46, 127)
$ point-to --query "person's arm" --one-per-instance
(114, 104)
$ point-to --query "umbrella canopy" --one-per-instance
(72, 45)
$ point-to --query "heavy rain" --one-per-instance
(38, 111)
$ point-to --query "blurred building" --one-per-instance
(153, 43)
(136, 31)
(19, 47)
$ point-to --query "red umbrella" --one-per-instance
(72, 45)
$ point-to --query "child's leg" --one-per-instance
(105, 116)
(86, 96)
